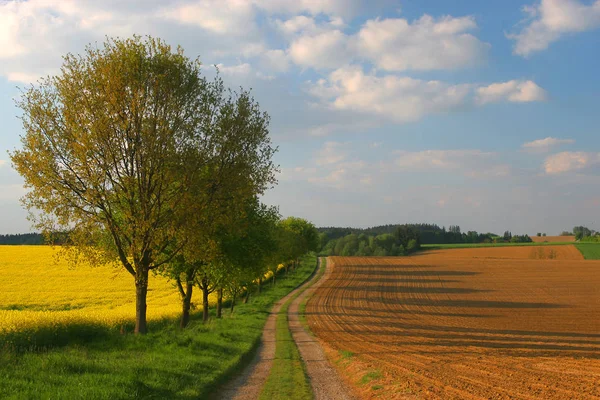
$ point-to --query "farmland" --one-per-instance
(552, 239)
(38, 291)
(460, 324)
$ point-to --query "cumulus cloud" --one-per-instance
(393, 44)
(570, 162)
(230, 17)
(327, 49)
(426, 44)
(405, 99)
(514, 91)
(549, 20)
(544, 145)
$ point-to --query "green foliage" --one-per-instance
(581, 231)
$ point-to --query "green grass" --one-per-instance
(472, 245)
(166, 363)
(302, 305)
(590, 251)
(371, 376)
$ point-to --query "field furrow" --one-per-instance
(457, 324)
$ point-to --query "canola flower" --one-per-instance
(37, 291)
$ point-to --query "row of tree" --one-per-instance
(427, 233)
(405, 240)
(141, 159)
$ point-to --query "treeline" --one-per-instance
(427, 234)
(403, 241)
(161, 170)
(22, 239)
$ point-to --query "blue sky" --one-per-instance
(477, 113)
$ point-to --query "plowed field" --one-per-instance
(449, 324)
(551, 239)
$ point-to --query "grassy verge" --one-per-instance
(167, 363)
(302, 305)
(472, 245)
(288, 378)
(590, 251)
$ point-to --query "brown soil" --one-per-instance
(551, 239)
(446, 327)
(563, 252)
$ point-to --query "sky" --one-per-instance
(482, 114)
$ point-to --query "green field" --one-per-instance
(590, 251)
(168, 363)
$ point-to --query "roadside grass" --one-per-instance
(288, 378)
(472, 245)
(166, 363)
(590, 251)
(302, 305)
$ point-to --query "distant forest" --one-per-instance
(24, 238)
(401, 239)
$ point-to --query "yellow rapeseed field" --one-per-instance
(36, 291)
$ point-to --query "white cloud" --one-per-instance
(225, 17)
(549, 20)
(440, 159)
(515, 91)
(299, 23)
(240, 69)
(391, 44)
(327, 49)
(331, 153)
(338, 8)
(404, 99)
(570, 161)
(401, 99)
(544, 145)
(276, 60)
(426, 44)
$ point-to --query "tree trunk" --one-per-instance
(259, 284)
(186, 305)
(141, 291)
(205, 303)
(247, 295)
(219, 302)
(233, 301)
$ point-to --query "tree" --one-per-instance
(105, 150)
(581, 232)
(233, 156)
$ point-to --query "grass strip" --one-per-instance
(590, 251)
(166, 363)
(288, 378)
(302, 306)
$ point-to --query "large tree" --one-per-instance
(106, 152)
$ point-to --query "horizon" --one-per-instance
(477, 113)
